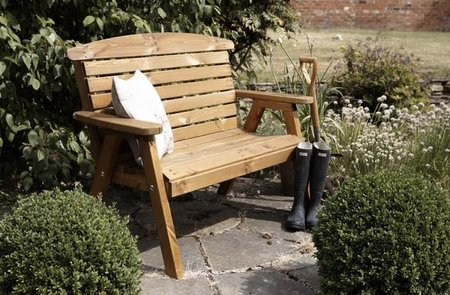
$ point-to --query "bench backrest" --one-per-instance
(190, 72)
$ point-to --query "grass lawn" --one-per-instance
(432, 48)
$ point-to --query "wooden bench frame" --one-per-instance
(194, 79)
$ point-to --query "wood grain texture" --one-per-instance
(254, 117)
(133, 179)
(208, 159)
(105, 164)
(114, 123)
(275, 97)
(104, 83)
(225, 160)
(310, 78)
(199, 101)
(202, 115)
(192, 131)
(161, 209)
(171, 91)
(292, 121)
(148, 44)
(152, 63)
(196, 87)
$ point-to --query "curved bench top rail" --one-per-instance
(148, 44)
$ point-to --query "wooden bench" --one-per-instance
(192, 75)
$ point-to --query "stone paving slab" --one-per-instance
(162, 285)
(150, 253)
(272, 224)
(193, 216)
(232, 245)
(261, 282)
(260, 201)
(237, 249)
(308, 276)
(294, 260)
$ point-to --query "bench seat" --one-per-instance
(229, 154)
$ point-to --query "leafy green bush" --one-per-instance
(385, 233)
(369, 70)
(66, 243)
(40, 144)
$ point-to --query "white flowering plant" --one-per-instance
(391, 138)
(369, 136)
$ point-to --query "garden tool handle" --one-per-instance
(310, 79)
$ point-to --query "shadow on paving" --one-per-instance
(232, 245)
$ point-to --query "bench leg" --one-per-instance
(105, 164)
(225, 187)
(161, 210)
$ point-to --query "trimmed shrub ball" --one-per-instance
(387, 232)
(66, 243)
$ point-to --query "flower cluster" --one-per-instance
(390, 138)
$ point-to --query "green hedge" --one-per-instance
(385, 233)
(66, 243)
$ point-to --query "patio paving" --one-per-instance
(233, 245)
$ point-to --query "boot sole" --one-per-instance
(294, 228)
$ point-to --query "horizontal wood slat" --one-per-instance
(195, 143)
(197, 87)
(151, 63)
(148, 44)
(198, 101)
(209, 159)
(273, 105)
(202, 115)
(220, 174)
(186, 150)
(225, 161)
(134, 180)
(275, 97)
(97, 84)
(100, 101)
(103, 100)
(212, 148)
(204, 128)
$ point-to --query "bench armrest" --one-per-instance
(274, 97)
(118, 124)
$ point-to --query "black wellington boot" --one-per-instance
(317, 177)
(296, 218)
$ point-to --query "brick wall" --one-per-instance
(425, 15)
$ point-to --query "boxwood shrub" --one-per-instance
(385, 233)
(67, 242)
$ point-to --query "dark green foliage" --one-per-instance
(66, 243)
(385, 233)
(40, 144)
(369, 70)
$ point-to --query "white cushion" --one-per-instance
(136, 98)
